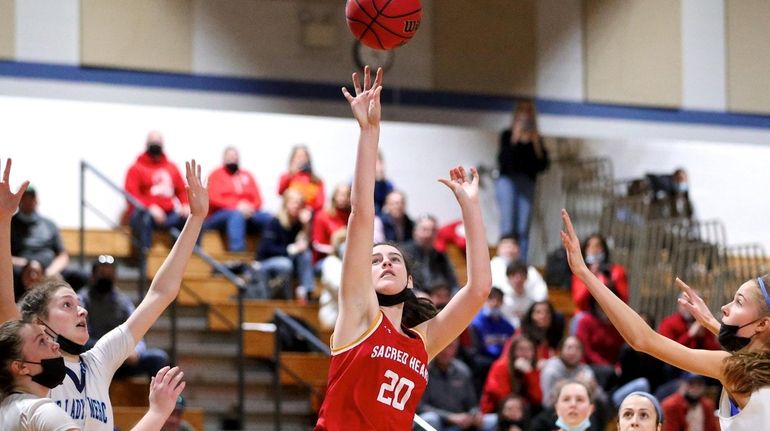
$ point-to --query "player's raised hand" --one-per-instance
(572, 245)
(465, 187)
(9, 201)
(197, 193)
(366, 102)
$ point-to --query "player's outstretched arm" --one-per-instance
(464, 306)
(165, 285)
(358, 305)
(9, 202)
(631, 326)
(165, 388)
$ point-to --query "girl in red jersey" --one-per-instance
(384, 337)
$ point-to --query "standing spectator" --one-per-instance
(508, 252)
(489, 330)
(157, 184)
(300, 176)
(688, 409)
(285, 249)
(431, 266)
(515, 372)
(109, 308)
(34, 237)
(396, 223)
(330, 220)
(521, 157)
(235, 202)
(449, 402)
(382, 186)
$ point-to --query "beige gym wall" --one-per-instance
(7, 29)
(484, 46)
(137, 34)
(633, 52)
(748, 65)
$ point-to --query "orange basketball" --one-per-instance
(383, 24)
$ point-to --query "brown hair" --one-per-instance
(35, 302)
(744, 371)
(11, 343)
(514, 375)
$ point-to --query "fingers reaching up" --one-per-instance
(9, 201)
(464, 185)
(366, 102)
(165, 388)
(197, 192)
(572, 244)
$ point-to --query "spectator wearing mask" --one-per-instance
(235, 202)
(431, 265)
(489, 331)
(397, 225)
(300, 176)
(109, 308)
(157, 184)
(508, 252)
(513, 414)
(688, 409)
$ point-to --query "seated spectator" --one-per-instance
(515, 372)
(574, 407)
(546, 420)
(638, 371)
(689, 408)
(452, 233)
(601, 344)
(397, 225)
(235, 202)
(508, 252)
(670, 195)
(331, 277)
(518, 300)
(489, 330)
(449, 402)
(157, 184)
(513, 415)
(330, 220)
(285, 251)
(640, 411)
(682, 327)
(300, 176)
(30, 276)
(382, 186)
(175, 421)
(545, 327)
(431, 265)
(440, 293)
(613, 275)
(567, 365)
(108, 308)
(34, 237)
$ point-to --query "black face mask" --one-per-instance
(691, 399)
(398, 298)
(154, 150)
(729, 338)
(67, 345)
(103, 285)
(508, 423)
(53, 372)
(231, 167)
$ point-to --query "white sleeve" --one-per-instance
(44, 415)
(538, 290)
(111, 351)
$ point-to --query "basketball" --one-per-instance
(383, 24)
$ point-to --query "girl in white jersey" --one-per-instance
(743, 370)
(85, 391)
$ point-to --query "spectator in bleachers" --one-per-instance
(452, 233)
(601, 343)
(682, 327)
(519, 299)
(284, 251)
(440, 293)
(330, 220)
(574, 407)
(508, 252)
(300, 176)
(382, 186)
(396, 223)
(235, 202)
(449, 402)
(30, 276)
(34, 237)
(545, 327)
(515, 372)
(522, 156)
(175, 421)
(109, 308)
(157, 184)
(513, 414)
(489, 331)
(689, 408)
(331, 277)
(671, 195)
(431, 266)
(638, 371)
(567, 365)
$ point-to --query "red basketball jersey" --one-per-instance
(376, 382)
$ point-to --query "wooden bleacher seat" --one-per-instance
(115, 242)
(223, 316)
(131, 392)
(127, 417)
(205, 290)
(260, 344)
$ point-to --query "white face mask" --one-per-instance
(582, 426)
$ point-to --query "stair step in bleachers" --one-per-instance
(115, 242)
(223, 316)
(204, 290)
(261, 344)
(127, 417)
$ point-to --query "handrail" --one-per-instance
(222, 269)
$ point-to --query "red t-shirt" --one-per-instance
(226, 190)
(581, 296)
(376, 382)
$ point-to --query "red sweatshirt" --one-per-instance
(601, 341)
(324, 226)
(677, 329)
(155, 182)
(498, 386)
(313, 192)
(226, 190)
(580, 294)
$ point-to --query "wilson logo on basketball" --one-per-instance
(410, 26)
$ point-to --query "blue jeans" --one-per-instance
(284, 267)
(236, 226)
(142, 225)
(515, 196)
